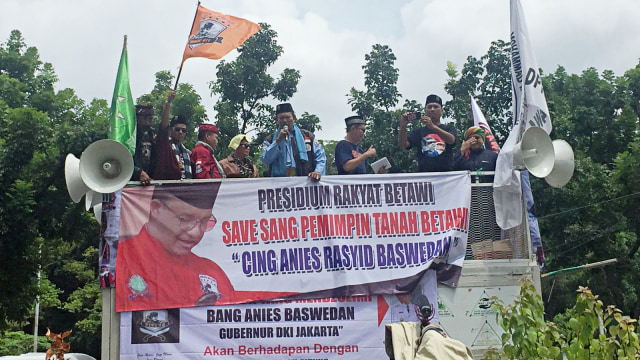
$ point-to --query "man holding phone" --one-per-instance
(433, 141)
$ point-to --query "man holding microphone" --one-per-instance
(295, 152)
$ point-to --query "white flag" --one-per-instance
(480, 121)
(529, 109)
(478, 117)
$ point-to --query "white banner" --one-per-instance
(353, 234)
(478, 117)
(303, 329)
(346, 327)
(529, 109)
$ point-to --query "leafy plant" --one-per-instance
(591, 332)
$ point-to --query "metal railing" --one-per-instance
(486, 241)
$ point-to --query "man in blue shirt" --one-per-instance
(295, 151)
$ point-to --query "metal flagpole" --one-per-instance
(582, 267)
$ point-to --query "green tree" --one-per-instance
(578, 336)
(376, 105)
(41, 231)
(488, 80)
(187, 103)
(593, 112)
(309, 121)
(590, 218)
(244, 86)
(330, 150)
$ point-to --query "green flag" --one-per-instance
(122, 120)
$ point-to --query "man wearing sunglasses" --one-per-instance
(178, 130)
(238, 164)
(171, 158)
(156, 268)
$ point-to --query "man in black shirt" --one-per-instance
(433, 141)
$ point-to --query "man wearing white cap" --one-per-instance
(350, 157)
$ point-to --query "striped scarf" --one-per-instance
(184, 159)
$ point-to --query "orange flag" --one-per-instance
(214, 35)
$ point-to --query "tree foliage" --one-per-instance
(244, 86)
(577, 335)
(488, 80)
(41, 230)
(376, 105)
(593, 217)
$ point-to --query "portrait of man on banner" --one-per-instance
(158, 263)
(156, 268)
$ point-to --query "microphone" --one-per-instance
(286, 128)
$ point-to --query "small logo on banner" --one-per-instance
(155, 326)
(209, 285)
(138, 287)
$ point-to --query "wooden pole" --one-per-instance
(175, 87)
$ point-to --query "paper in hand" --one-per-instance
(382, 163)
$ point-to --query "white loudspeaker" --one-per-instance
(97, 212)
(92, 199)
(76, 187)
(564, 164)
(106, 166)
(534, 152)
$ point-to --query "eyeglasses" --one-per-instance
(188, 224)
(178, 129)
(246, 146)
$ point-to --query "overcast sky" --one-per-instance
(325, 39)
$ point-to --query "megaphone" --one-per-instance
(97, 212)
(104, 167)
(92, 199)
(534, 152)
(563, 166)
(75, 186)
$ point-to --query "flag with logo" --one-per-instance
(480, 121)
(122, 119)
(529, 110)
(213, 35)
